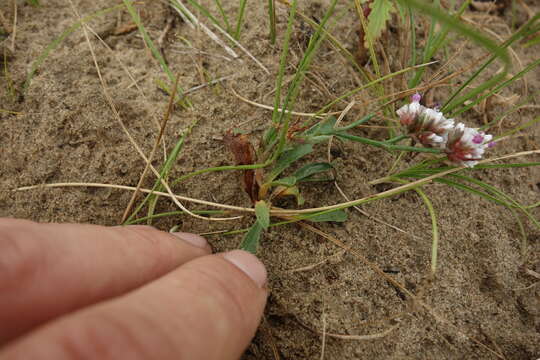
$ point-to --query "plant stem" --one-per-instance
(396, 139)
(385, 145)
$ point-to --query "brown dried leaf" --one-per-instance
(244, 154)
(125, 28)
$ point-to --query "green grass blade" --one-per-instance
(412, 27)
(366, 86)
(283, 63)
(272, 20)
(499, 193)
(452, 23)
(505, 166)
(240, 19)
(384, 145)
(155, 52)
(224, 16)
(378, 11)
(205, 11)
(294, 88)
(490, 93)
(163, 173)
(522, 32)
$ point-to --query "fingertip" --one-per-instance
(249, 264)
(193, 239)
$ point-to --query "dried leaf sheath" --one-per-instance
(244, 154)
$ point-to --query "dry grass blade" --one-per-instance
(349, 337)
(209, 83)
(323, 340)
(191, 19)
(14, 28)
(274, 212)
(240, 46)
(166, 118)
(147, 191)
(271, 108)
(126, 131)
(313, 266)
(132, 78)
(126, 70)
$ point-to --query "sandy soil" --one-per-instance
(64, 131)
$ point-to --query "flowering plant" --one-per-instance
(463, 145)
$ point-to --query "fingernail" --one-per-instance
(249, 264)
(193, 239)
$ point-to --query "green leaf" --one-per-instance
(252, 238)
(286, 181)
(380, 14)
(325, 127)
(262, 211)
(315, 139)
(357, 122)
(288, 157)
(311, 169)
(336, 216)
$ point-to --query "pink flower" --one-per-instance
(466, 146)
(408, 113)
(427, 125)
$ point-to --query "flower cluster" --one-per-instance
(463, 145)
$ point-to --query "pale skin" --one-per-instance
(71, 291)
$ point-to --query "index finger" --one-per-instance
(47, 270)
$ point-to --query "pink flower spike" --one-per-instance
(478, 138)
(416, 97)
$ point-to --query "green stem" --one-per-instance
(386, 146)
(240, 19)
(396, 139)
(220, 168)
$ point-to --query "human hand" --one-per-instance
(91, 292)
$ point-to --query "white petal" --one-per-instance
(402, 110)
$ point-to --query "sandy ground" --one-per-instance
(64, 131)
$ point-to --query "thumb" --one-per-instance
(209, 308)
